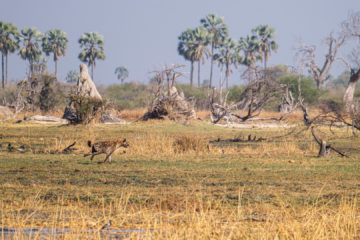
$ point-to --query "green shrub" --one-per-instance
(308, 89)
(199, 95)
(47, 97)
(86, 109)
(234, 93)
(128, 95)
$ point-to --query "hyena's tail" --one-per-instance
(89, 143)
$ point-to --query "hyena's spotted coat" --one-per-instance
(106, 147)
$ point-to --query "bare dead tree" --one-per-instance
(351, 27)
(252, 100)
(220, 110)
(320, 72)
(288, 103)
(349, 93)
(352, 24)
(169, 102)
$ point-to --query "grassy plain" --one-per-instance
(179, 181)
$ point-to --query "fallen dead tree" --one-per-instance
(167, 102)
(251, 102)
(46, 119)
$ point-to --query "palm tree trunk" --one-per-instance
(212, 64)
(6, 69)
(227, 73)
(191, 73)
(265, 61)
(220, 87)
(2, 71)
(92, 72)
(56, 69)
(251, 73)
(199, 73)
(31, 67)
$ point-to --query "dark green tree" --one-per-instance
(72, 76)
(186, 48)
(9, 38)
(227, 57)
(200, 49)
(217, 32)
(122, 73)
(265, 35)
(251, 50)
(93, 49)
(55, 42)
(31, 51)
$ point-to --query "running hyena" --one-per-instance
(107, 147)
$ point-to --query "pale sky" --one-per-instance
(142, 34)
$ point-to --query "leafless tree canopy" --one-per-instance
(307, 57)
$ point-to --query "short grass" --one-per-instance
(179, 181)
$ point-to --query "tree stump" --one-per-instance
(324, 149)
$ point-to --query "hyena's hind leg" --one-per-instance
(92, 155)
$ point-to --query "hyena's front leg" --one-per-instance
(108, 156)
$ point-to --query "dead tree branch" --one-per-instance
(252, 100)
(320, 72)
(169, 102)
(324, 147)
(69, 148)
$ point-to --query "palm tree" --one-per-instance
(31, 48)
(228, 55)
(217, 32)
(72, 76)
(9, 37)
(265, 34)
(55, 42)
(122, 73)
(186, 49)
(93, 45)
(250, 45)
(251, 48)
(200, 49)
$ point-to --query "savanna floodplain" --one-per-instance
(178, 181)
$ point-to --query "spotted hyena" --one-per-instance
(106, 147)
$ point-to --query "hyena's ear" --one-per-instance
(124, 140)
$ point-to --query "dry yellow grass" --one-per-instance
(185, 217)
(178, 182)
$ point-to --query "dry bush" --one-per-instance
(186, 144)
(203, 115)
(132, 114)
